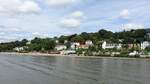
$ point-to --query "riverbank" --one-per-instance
(34, 54)
(59, 55)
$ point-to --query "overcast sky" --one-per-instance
(47, 18)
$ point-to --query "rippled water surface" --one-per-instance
(69, 70)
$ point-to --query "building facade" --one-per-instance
(106, 45)
(60, 47)
(89, 43)
(75, 45)
(144, 45)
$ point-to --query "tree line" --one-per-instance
(48, 44)
(132, 36)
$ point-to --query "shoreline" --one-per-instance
(59, 55)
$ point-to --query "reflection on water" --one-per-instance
(69, 70)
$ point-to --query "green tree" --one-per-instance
(78, 39)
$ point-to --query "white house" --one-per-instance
(28, 43)
(75, 45)
(89, 43)
(18, 49)
(56, 41)
(144, 45)
(60, 47)
(106, 45)
(65, 41)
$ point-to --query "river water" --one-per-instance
(70, 70)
